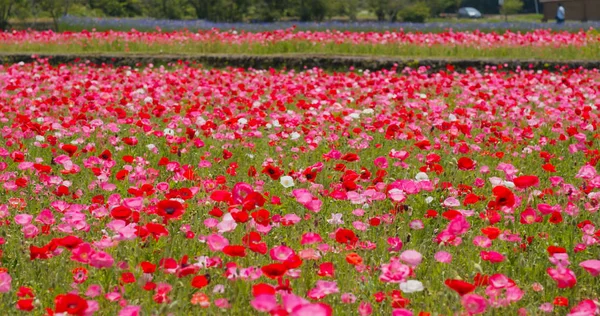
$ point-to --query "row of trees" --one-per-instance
(243, 10)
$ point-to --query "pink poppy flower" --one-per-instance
(591, 266)
(474, 304)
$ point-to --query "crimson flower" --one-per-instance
(459, 286)
(169, 209)
(71, 304)
(274, 270)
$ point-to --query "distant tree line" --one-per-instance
(245, 10)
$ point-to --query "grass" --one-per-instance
(589, 52)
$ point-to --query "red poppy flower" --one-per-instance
(220, 196)
(274, 172)
(524, 182)
(148, 267)
(105, 155)
(491, 232)
(350, 157)
(345, 236)
(554, 249)
(70, 303)
(504, 196)
(555, 218)
(293, 262)
(69, 149)
(262, 217)
(234, 251)
(274, 270)
(127, 277)
(481, 279)
(561, 301)
(466, 163)
(69, 242)
(326, 269)
(169, 209)
(262, 288)
(549, 167)
(25, 304)
(121, 212)
(201, 281)
(310, 174)
(471, 199)
(459, 286)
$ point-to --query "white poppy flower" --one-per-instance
(287, 181)
(411, 286)
(421, 176)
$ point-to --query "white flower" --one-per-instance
(40, 138)
(452, 118)
(169, 132)
(336, 219)
(148, 100)
(411, 286)
(428, 199)
(508, 184)
(294, 135)
(287, 181)
(368, 111)
(242, 121)
(421, 176)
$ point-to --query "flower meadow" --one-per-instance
(183, 190)
(540, 43)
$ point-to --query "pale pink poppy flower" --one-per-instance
(5, 282)
(411, 257)
(443, 257)
(130, 310)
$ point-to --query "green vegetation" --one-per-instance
(589, 52)
(249, 10)
(511, 7)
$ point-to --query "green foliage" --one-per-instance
(511, 7)
(56, 9)
(121, 8)
(415, 13)
(387, 8)
(6, 8)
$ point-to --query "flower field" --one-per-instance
(184, 191)
(541, 44)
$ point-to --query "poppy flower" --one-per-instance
(459, 286)
(121, 212)
(554, 249)
(354, 259)
(273, 172)
(262, 289)
(346, 236)
(234, 251)
(274, 270)
(69, 149)
(71, 304)
(169, 209)
(200, 281)
(25, 304)
(504, 196)
(524, 182)
(466, 163)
